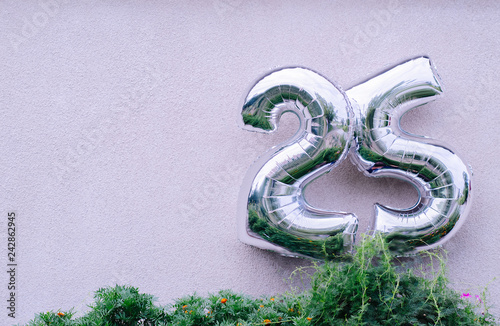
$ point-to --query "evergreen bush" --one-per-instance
(371, 288)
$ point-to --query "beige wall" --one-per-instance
(122, 157)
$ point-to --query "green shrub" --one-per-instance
(372, 288)
(123, 306)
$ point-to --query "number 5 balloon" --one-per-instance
(362, 123)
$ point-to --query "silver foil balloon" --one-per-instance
(383, 149)
(274, 212)
(364, 123)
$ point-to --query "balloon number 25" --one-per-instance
(364, 124)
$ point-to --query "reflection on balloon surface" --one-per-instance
(362, 123)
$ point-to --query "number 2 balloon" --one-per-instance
(364, 124)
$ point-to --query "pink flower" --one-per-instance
(465, 295)
(479, 299)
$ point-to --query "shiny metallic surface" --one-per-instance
(363, 123)
(273, 201)
(382, 149)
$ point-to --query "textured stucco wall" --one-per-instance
(121, 154)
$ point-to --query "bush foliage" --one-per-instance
(371, 288)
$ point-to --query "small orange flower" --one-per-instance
(309, 318)
(224, 300)
(272, 299)
(262, 306)
(267, 321)
(60, 314)
(291, 309)
(184, 306)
